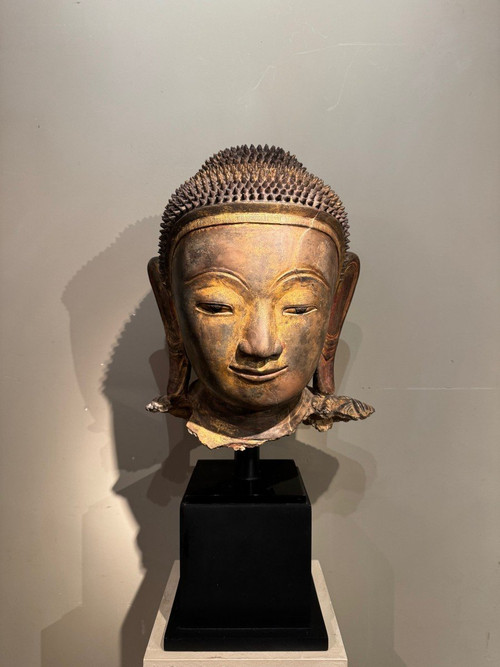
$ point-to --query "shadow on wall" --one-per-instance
(152, 485)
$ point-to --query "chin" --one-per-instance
(250, 406)
(264, 399)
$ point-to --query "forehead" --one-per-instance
(259, 252)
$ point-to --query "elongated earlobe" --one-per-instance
(324, 379)
(180, 368)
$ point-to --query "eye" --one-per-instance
(299, 310)
(213, 308)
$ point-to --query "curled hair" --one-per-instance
(250, 174)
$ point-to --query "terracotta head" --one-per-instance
(253, 283)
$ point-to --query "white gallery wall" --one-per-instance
(107, 106)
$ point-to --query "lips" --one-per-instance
(253, 375)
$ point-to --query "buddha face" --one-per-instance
(253, 303)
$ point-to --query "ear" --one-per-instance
(180, 367)
(324, 380)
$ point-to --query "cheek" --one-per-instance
(303, 338)
(212, 339)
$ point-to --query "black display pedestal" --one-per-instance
(245, 561)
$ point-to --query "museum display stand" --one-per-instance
(244, 591)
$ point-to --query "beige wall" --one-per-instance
(107, 108)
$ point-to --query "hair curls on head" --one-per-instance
(250, 174)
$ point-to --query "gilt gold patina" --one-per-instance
(253, 283)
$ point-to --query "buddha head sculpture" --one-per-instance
(253, 283)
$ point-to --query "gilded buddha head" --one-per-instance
(253, 283)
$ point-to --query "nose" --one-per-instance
(260, 339)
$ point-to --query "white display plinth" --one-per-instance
(335, 656)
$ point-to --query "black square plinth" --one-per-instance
(245, 572)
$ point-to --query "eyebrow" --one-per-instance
(298, 274)
(219, 273)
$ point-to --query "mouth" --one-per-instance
(252, 375)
